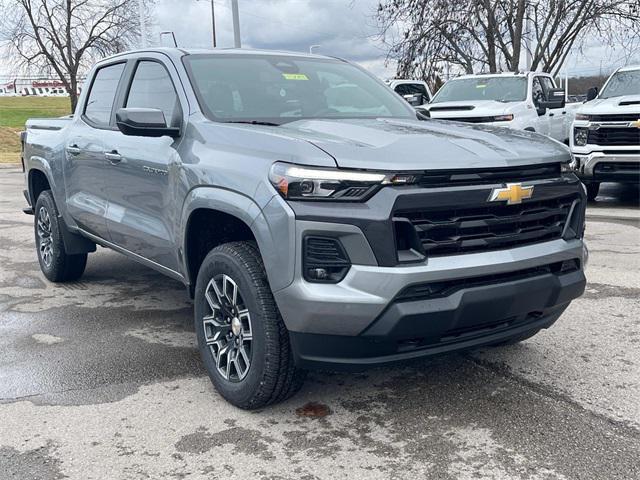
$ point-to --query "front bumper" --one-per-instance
(603, 166)
(491, 294)
(469, 318)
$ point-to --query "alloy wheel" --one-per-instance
(227, 328)
(45, 246)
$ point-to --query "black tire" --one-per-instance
(517, 338)
(592, 190)
(56, 265)
(271, 375)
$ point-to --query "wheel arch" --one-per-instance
(212, 216)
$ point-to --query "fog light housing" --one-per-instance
(324, 260)
(580, 136)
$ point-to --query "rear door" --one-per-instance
(85, 165)
(143, 209)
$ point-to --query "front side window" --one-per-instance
(537, 92)
(102, 94)
(622, 83)
(499, 89)
(152, 88)
(280, 89)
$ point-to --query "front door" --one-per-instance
(143, 209)
(84, 154)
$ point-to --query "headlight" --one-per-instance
(582, 116)
(570, 166)
(580, 136)
(295, 182)
(503, 118)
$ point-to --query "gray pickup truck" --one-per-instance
(315, 221)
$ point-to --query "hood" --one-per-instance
(472, 108)
(613, 105)
(395, 144)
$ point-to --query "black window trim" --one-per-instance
(111, 125)
(123, 94)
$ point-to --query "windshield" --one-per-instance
(622, 83)
(280, 89)
(501, 89)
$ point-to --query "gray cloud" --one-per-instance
(343, 28)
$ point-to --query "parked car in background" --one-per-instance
(416, 92)
(522, 101)
(606, 132)
(313, 228)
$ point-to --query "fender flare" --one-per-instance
(268, 234)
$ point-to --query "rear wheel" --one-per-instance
(592, 190)
(56, 265)
(242, 339)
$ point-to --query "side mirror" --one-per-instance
(556, 99)
(592, 93)
(144, 122)
(414, 99)
(422, 114)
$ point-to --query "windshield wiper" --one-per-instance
(254, 122)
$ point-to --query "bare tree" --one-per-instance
(424, 36)
(65, 37)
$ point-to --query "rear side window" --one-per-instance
(152, 88)
(103, 93)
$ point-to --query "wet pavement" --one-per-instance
(100, 379)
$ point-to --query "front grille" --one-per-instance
(621, 117)
(617, 167)
(447, 178)
(614, 136)
(426, 291)
(451, 231)
(471, 119)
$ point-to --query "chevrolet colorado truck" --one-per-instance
(606, 132)
(316, 225)
(522, 101)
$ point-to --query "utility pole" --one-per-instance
(213, 23)
(143, 24)
(236, 23)
(529, 40)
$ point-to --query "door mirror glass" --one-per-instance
(592, 93)
(144, 122)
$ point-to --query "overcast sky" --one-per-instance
(344, 28)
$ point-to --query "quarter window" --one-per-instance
(103, 93)
(152, 88)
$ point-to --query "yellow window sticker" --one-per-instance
(295, 76)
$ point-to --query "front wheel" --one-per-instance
(54, 261)
(592, 190)
(242, 339)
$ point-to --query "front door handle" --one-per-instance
(73, 149)
(551, 114)
(114, 157)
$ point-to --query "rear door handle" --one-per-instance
(73, 149)
(114, 157)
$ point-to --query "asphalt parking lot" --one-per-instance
(100, 379)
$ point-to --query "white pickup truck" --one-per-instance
(416, 92)
(523, 101)
(606, 132)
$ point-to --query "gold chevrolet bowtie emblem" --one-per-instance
(635, 124)
(513, 193)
